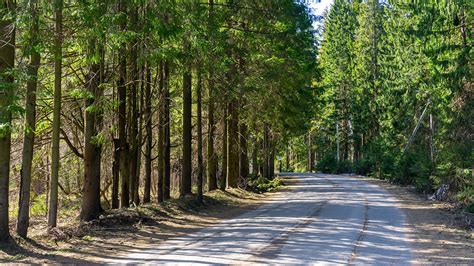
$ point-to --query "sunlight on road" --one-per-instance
(321, 218)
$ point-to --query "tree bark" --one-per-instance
(244, 159)
(7, 61)
(310, 153)
(122, 113)
(90, 208)
(116, 175)
(161, 133)
(185, 184)
(233, 146)
(30, 120)
(211, 156)
(223, 179)
(255, 157)
(133, 112)
(166, 134)
(149, 135)
(53, 194)
(265, 152)
(200, 167)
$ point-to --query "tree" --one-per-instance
(185, 182)
(30, 121)
(90, 208)
(200, 166)
(148, 136)
(211, 155)
(161, 135)
(233, 145)
(7, 61)
(166, 133)
(133, 81)
(122, 113)
(53, 195)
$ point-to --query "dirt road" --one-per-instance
(320, 218)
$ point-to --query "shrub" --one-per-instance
(262, 184)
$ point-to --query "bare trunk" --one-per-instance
(30, 120)
(223, 178)
(200, 168)
(266, 156)
(149, 135)
(185, 184)
(122, 113)
(116, 175)
(255, 157)
(233, 146)
(90, 208)
(161, 152)
(166, 134)
(53, 194)
(133, 112)
(7, 61)
(244, 160)
(211, 155)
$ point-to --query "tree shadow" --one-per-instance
(18, 253)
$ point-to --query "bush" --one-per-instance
(363, 166)
(470, 208)
(262, 185)
(327, 164)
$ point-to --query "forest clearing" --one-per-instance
(222, 131)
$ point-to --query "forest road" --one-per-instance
(319, 219)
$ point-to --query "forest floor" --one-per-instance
(118, 231)
(440, 233)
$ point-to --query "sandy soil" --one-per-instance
(440, 233)
(119, 231)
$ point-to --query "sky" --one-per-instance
(319, 6)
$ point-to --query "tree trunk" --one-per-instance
(161, 152)
(310, 153)
(140, 139)
(166, 134)
(233, 146)
(223, 179)
(185, 184)
(122, 113)
(265, 152)
(7, 61)
(90, 208)
(271, 160)
(211, 156)
(149, 135)
(255, 157)
(244, 160)
(200, 167)
(133, 112)
(30, 120)
(53, 194)
(116, 175)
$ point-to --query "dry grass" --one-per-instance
(118, 231)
